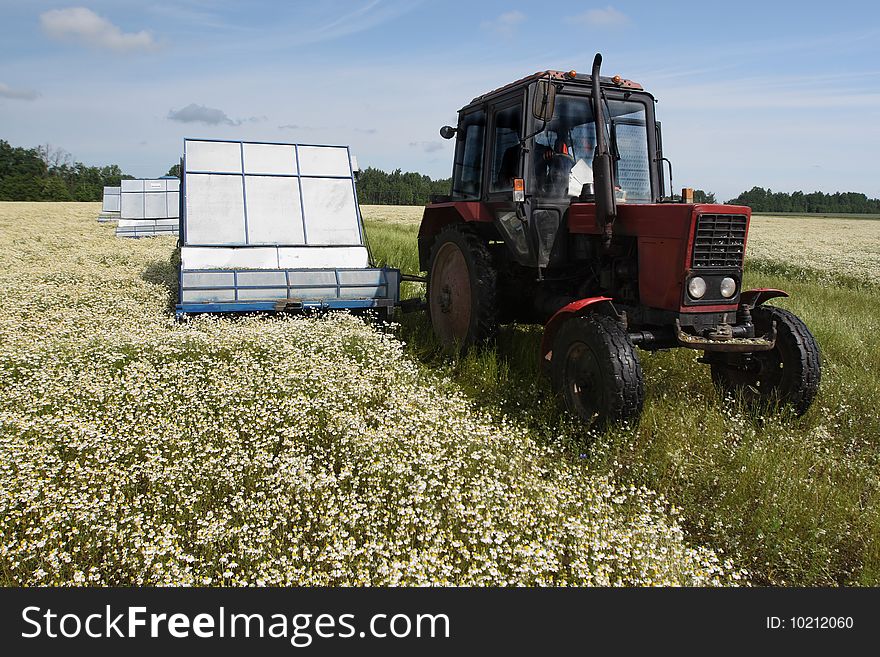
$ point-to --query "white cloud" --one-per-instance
(193, 113)
(366, 17)
(506, 24)
(17, 94)
(82, 25)
(427, 146)
(608, 17)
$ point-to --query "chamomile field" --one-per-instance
(138, 450)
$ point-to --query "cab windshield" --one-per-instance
(563, 152)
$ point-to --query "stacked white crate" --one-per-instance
(110, 205)
(149, 207)
(267, 222)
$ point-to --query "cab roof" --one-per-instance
(562, 76)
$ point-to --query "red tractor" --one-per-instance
(558, 215)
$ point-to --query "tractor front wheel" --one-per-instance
(595, 371)
(462, 291)
(787, 374)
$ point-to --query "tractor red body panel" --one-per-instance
(664, 232)
(438, 215)
(665, 240)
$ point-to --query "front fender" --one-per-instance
(756, 297)
(573, 309)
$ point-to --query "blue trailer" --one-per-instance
(274, 227)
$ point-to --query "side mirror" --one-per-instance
(545, 100)
(447, 132)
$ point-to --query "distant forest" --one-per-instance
(47, 173)
(375, 187)
(766, 200)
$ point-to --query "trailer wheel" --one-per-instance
(788, 374)
(462, 281)
(595, 371)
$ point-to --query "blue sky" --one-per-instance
(785, 95)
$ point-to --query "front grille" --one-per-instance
(720, 241)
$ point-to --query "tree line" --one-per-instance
(46, 173)
(377, 187)
(766, 200)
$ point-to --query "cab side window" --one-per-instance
(506, 151)
(469, 155)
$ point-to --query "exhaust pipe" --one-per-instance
(603, 179)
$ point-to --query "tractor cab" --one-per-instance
(533, 142)
(558, 215)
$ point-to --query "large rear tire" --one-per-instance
(596, 372)
(788, 374)
(462, 290)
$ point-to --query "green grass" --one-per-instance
(795, 500)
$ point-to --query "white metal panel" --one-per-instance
(252, 257)
(132, 205)
(134, 223)
(262, 278)
(322, 257)
(274, 213)
(154, 185)
(215, 156)
(270, 158)
(132, 185)
(172, 184)
(263, 294)
(111, 200)
(214, 209)
(362, 277)
(205, 296)
(313, 277)
(154, 205)
(324, 161)
(208, 279)
(362, 292)
(172, 204)
(330, 211)
(172, 222)
(313, 293)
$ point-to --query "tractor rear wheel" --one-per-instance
(788, 374)
(462, 282)
(596, 372)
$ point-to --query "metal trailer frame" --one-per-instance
(248, 285)
(156, 210)
(110, 203)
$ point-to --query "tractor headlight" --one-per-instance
(696, 287)
(728, 287)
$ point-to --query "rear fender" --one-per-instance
(574, 309)
(754, 298)
(439, 215)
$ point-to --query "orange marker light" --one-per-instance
(617, 79)
(519, 190)
(572, 73)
